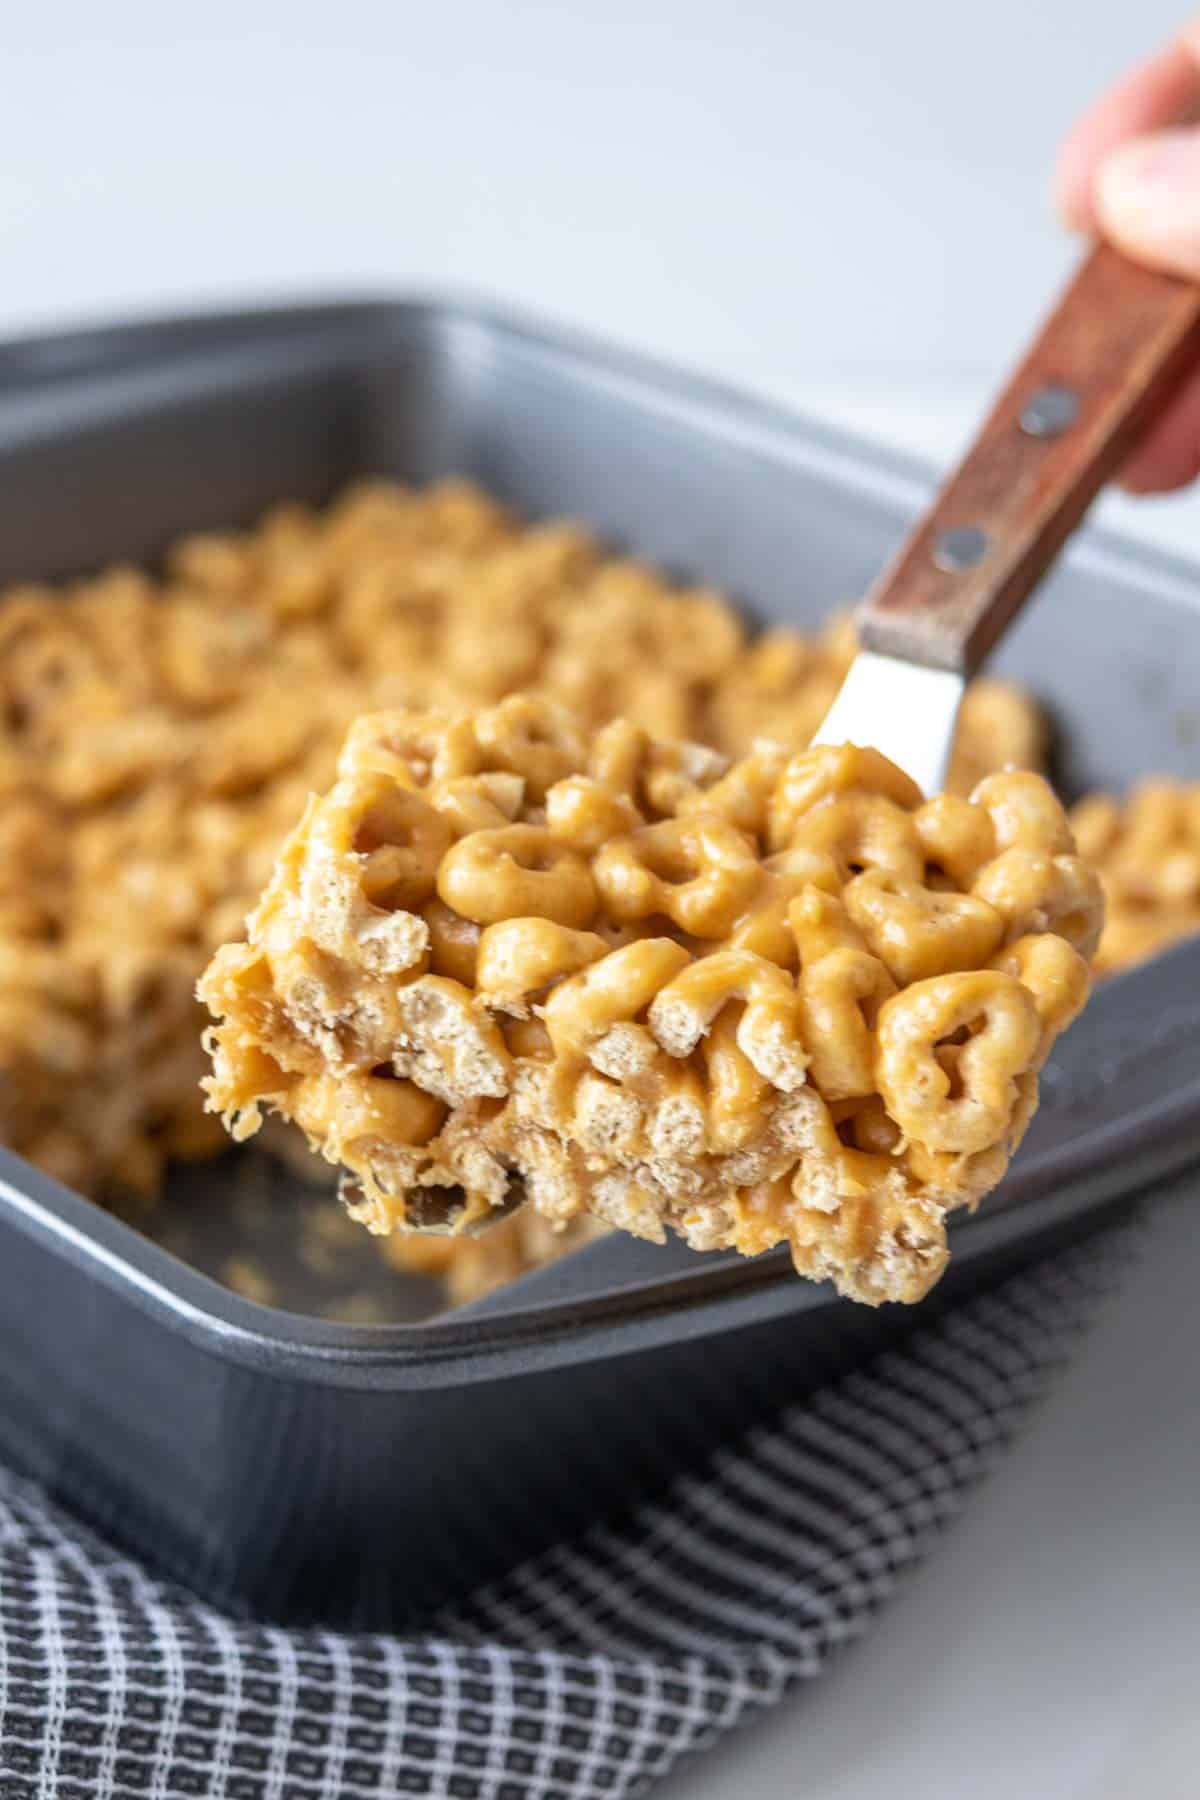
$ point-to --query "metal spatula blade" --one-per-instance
(906, 709)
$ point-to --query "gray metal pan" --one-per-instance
(284, 1462)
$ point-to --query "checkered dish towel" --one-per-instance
(593, 1668)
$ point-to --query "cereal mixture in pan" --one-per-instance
(783, 999)
(1147, 851)
(469, 1267)
(159, 735)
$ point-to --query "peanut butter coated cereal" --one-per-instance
(1147, 851)
(776, 1000)
(160, 734)
(470, 1267)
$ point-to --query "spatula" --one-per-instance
(1111, 353)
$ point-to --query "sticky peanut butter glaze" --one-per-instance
(780, 1000)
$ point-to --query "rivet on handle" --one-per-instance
(960, 548)
(1047, 413)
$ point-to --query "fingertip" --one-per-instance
(1147, 200)
(1147, 476)
(1142, 483)
(1071, 185)
(1151, 486)
(1160, 92)
(1168, 456)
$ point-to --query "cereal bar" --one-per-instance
(779, 1000)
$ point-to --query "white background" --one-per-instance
(843, 205)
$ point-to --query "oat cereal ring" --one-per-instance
(868, 1125)
(1147, 853)
(477, 802)
(999, 727)
(584, 813)
(519, 958)
(819, 923)
(769, 1030)
(516, 872)
(1096, 826)
(765, 927)
(613, 991)
(918, 931)
(1055, 974)
(828, 772)
(1024, 811)
(366, 1107)
(453, 942)
(531, 738)
(862, 831)
(737, 1093)
(397, 837)
(957, 838)
(658, 778)
(697, 871)
(1158, 858)
(840, 997)
(1033, 891)
(618, 754)
(414, 748)
(676, 774)
(743, 794)
(1003, 1042)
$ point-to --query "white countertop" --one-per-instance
(841, 206)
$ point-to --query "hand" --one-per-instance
(1130, 170)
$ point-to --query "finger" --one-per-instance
(1147, 200)
(1163, 91)
(1168, 456)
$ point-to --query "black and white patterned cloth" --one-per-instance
(588, 1672)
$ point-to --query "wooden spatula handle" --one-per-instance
(1118, 342)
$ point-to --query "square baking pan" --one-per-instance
(292, 1464)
